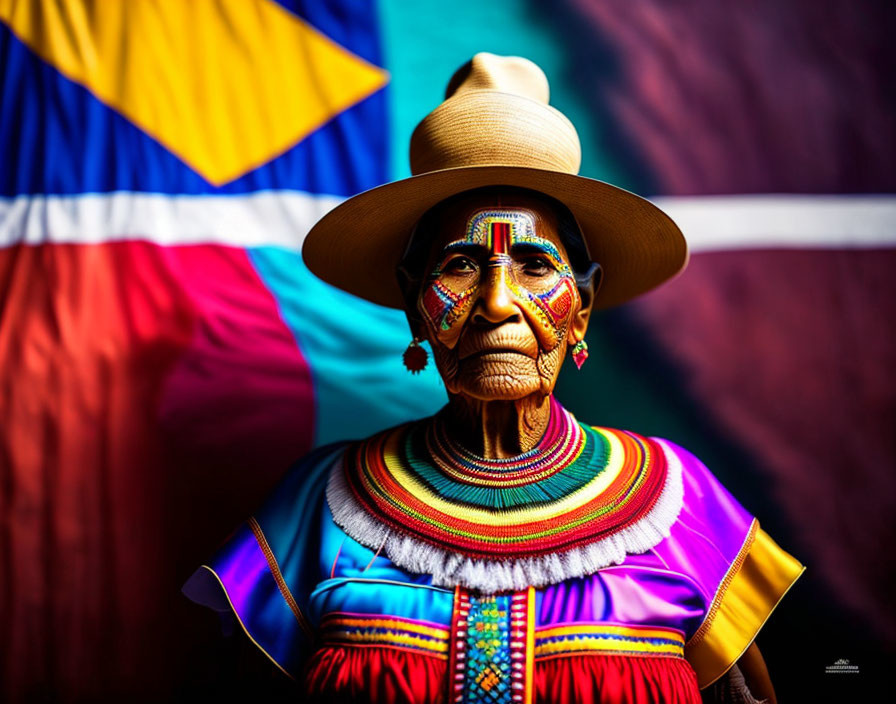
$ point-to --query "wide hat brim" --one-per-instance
(358, 245)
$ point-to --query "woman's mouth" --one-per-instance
(494, 352)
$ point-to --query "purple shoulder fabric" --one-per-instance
(673, 584)
(711, 529)
(239, 580)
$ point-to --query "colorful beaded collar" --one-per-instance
(580, 500)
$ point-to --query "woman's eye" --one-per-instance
(460, 265)
(537, 266)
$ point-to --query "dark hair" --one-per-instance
(417, 251)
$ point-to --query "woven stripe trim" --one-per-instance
(592, 638)
(274, 567)
(382, 631)
(340, 629)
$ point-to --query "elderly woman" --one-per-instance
(500, 551)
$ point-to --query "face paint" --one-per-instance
(442, 306)
(510, 243)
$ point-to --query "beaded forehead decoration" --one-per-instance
(498, 231)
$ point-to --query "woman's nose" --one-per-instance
(496, 303)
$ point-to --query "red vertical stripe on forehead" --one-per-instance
(500, 237)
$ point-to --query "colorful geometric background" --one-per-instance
(165, 355)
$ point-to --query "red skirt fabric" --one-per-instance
(378, 675)
(363, 674)
(616, 679)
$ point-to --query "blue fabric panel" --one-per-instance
(354, 350)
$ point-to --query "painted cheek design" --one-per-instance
(550, 310)
(444, 308)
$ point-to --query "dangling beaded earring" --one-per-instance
(579, 353)
(415, 357)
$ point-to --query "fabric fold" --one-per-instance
(759, 578)
(239, 579)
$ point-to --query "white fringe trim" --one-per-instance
(450, 568)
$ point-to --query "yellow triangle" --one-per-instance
(226, 85)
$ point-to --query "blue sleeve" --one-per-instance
(265, 571)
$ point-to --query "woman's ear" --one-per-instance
(410, 290)
(409, 286)
(588, 285)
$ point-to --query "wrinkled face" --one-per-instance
(499, 299)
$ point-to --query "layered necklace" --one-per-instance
(414, 486)
(560, 462)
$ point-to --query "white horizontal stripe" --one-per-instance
(280, 218)
(712, 223)
(283, 218)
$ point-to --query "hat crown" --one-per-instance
(496, 113)
(503, 74)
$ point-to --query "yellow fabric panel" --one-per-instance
(226, 85)
(759, 579)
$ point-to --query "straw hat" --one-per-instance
(495, 128)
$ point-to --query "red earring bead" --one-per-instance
(415, 357)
